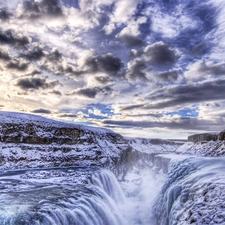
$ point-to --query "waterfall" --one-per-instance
(193, 193)
(94, 203)
(79, 196)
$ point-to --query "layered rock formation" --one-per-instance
(29, 141)
(33, 141)
(205, 137)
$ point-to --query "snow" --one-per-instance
(211, 148)
(24, 118)
(153, 145)
(193, 191)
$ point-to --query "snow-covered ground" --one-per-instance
(192, 192)
(153, 145)
(211, 148)
(30, 141)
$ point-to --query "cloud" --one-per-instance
(11, 38)
(4, 14)
(130, 34)
(92, 92)
(136, 70)
(148, 61)
(34, 54)
(184, 123)
(54, 55)
(107, 63)
(131, 107)
(58, 93)
(37, 9)
(103, 79)
(58, 65)
(35, 83)
(169, 76)
(189, 93)
(4, 55)
(131, 41)
(41, 111)
(202, 70)
(18, 64)
(123, 12)
(160, 54)
(67, 115)
(88, 92)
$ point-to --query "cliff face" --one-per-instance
(32, 141)
(28, 141)
(205, 137)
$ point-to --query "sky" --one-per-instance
(143, 68)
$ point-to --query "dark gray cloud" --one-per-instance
(130, 107)
(214, 69)
(92, 92)
(67, 115)
(107, 63)
(67, 69)
(41, 111)
(169, 76)
(54, 62)
(58, 93)
(137, 70)
(88, 92)
(11, 38)
(35, 10)
(103, 79)
(4, 14)
(35, 83)
(54, 56)
(180, 95)
(184, 123)
(131, 41)
(160, 54)
(34, 54)
(159, 115)
(199, 49)
(18, 64)
(4, 55)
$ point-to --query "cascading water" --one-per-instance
(76, 196)
(72, 197)
(193, 192)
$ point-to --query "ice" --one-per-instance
(193, 193)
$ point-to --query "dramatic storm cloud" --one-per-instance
(156, 67)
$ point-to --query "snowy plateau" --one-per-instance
(56, 173)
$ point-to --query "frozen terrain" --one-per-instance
(55, 173)
(29, 141)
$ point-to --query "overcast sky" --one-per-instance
(144, 68)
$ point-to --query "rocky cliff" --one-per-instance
(29, 141)
(205, 144)
(33, 141)
(205, 137)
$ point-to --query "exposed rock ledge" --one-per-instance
(29, 141)
(33, 141)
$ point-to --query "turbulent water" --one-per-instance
(192, 192)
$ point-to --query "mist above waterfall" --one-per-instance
(141, 188)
